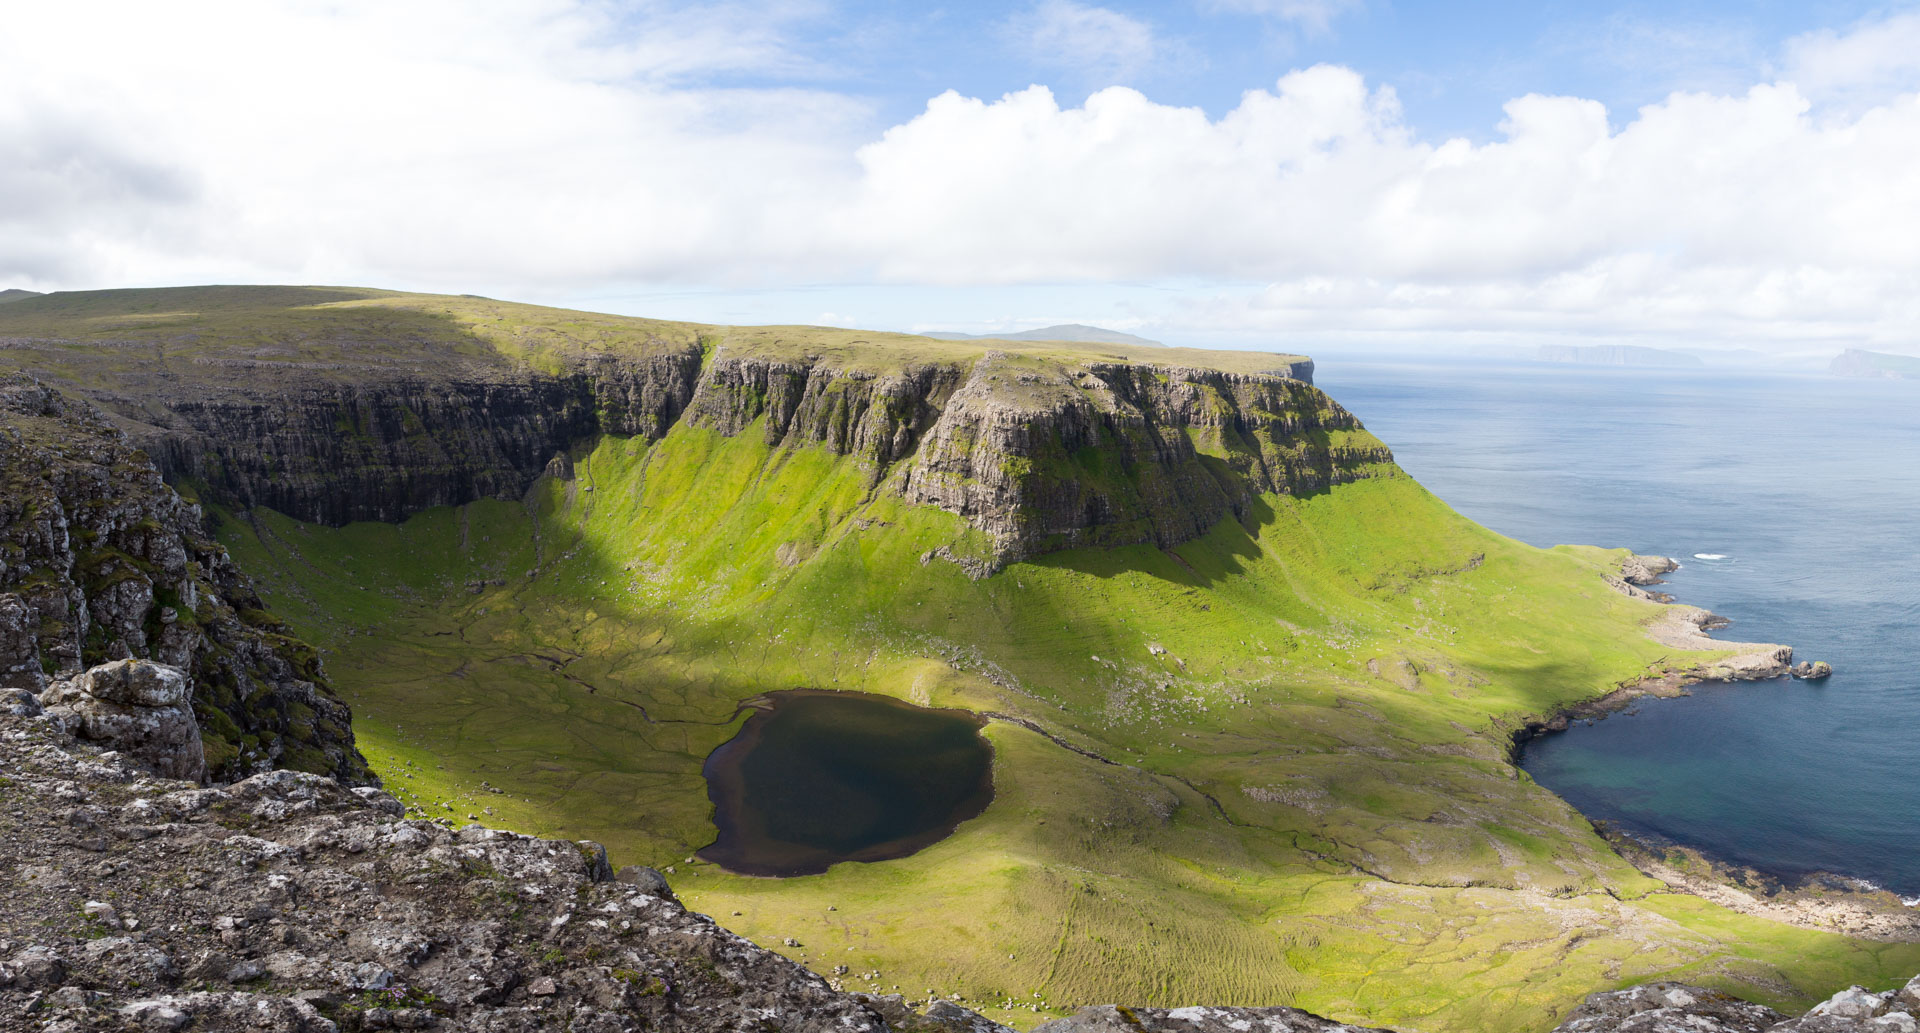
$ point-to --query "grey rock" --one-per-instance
(1679, 1008)
(599, 869)
(646, 880)
(19, 703)
(1667, 1007)
(1646, 570)
(98, 551)
(19, 646)
(136, 707)
(136, 683)
(948, 1017)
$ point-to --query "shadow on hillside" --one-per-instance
(1226, 551)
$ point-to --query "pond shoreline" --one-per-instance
(817, 777)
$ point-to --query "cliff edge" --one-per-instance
(100, 560)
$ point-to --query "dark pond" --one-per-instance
(815, 778)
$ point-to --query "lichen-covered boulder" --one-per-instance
(138, 707)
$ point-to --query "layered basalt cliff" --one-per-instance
(101, 560)
(1040, 448)
(1044, 456)
(390, 442)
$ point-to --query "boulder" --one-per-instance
(137, 707)
(1812, 670)
(646, 880)
(137, 683)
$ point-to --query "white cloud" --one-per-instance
(1095, 42)
(531, 147)
(1312, 14)
(1866, 64)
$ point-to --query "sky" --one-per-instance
(1293, 174)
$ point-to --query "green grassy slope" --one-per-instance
(1286, 780)
(328, 325)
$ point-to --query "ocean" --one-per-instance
(1792, 502)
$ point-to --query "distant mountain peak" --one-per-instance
(1060, 332)
(16, 294)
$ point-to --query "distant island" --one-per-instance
(1063, 332)
(1855, 362)
(1615, 355)
(16, 294)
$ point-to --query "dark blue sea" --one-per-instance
(1793, 501)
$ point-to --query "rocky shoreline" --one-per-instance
(1683, 628)
(1817, 900)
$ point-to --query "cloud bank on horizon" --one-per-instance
(551, 148)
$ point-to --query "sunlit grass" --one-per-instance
(1304, 797)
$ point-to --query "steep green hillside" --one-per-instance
(1305, 798)
(1252, 688)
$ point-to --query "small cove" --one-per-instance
(1789, 499)
(814, 778)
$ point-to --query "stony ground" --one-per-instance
(1678, 1008)
(288, 902)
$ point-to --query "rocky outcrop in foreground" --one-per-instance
(101, 560)
(1679, 1008)
(287, 901)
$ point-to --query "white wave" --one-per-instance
(1910, 901)
(1709, 555)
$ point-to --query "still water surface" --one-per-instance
(1793, 502)
(815, 778)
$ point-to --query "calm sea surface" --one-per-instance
(1793, 502)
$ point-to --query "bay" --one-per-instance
(1793, 501)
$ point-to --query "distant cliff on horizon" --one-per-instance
(1615, 355)
(1857, 362)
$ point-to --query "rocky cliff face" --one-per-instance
(392, 442)
(1044, 456)
(1040, 452)
(101, 560)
